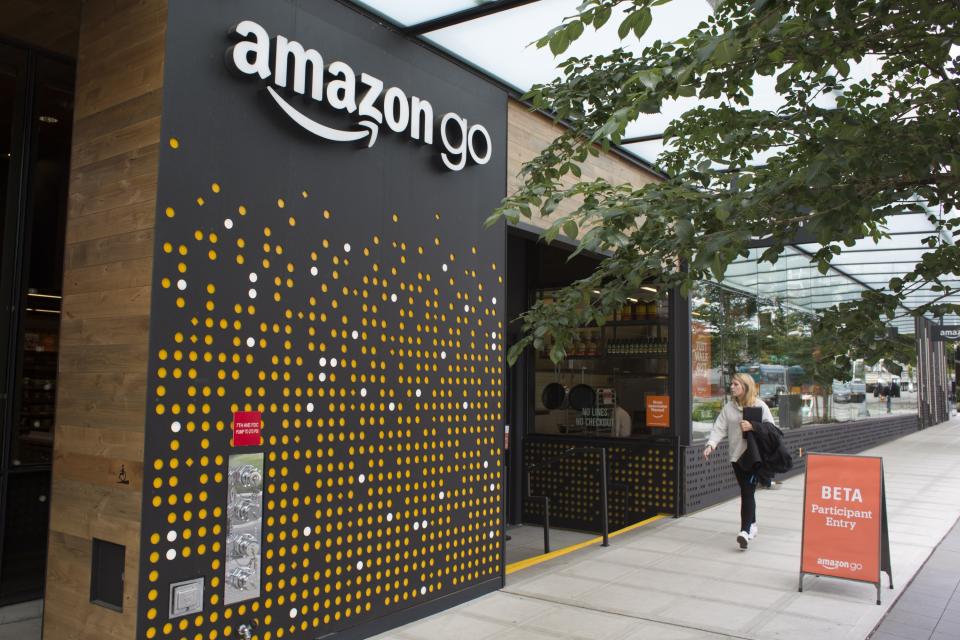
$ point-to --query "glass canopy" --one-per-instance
(494, 37)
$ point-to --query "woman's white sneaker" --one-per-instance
(754, 530)
(743, 538)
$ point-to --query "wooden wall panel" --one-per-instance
(105, 326)
(52, 25)
(529, 132)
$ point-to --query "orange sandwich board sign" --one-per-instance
(845, 519)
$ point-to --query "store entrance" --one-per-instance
(36, 116)
(594, 439)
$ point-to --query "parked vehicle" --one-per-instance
(858, 390)
(841, 392)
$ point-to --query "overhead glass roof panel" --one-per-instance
(407, 13)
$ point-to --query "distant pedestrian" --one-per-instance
(731, 425)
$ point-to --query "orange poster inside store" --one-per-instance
(701, 356)
(845, 519)
(658, 411)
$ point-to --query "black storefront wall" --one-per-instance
(350, 294)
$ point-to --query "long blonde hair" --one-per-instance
(749, 389)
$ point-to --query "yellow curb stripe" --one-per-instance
(529, 562)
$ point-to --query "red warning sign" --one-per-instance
(246, 428)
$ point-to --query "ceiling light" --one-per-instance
(651, 289)
(49, 119)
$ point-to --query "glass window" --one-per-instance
(614, 380)
(760, 321)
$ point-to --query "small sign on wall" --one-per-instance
(658, 411)
(246, 428)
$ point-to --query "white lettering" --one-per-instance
(421, 115)
(342, 89)
(396, 109)
(841, 493)
(239, 53)
(292, 66)
(485, 147)
(368, 103)
(284, 50)
(456, 145)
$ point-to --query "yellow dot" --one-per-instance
(292, 221)
(396, 218)
(305, 194)
(242, 210)
(170, 212)
(215, 187)
(174, 143)
(281, 203)
(326, 214)
(200, 201)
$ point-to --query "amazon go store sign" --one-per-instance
(295, 70)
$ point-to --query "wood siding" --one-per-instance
(528, 133)
(105, 328)
(52, 25)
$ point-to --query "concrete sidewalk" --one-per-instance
(686, 578)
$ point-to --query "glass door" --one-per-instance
(36, 115)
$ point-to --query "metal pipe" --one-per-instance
(603, 497)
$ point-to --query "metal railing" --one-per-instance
(604, 521)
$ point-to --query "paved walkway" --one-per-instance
(929, 609)
(685, 578)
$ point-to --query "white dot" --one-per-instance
(443, 355)
(175, 426)
(314, 271)
(228, 223)
(333, 362)
(416, 526)
(359, 565)
(424, 524)
(346, 247)
(181, 284)
(293, 612)
(485, 464)
(466, 308)
(171, 536)
(389, 517)
(494, 301)
(362, 478)
(355, 334)
(307, 531)
(491, 534)
(363, 392)
(253, 277)
(252, 293)
(323, 362)
(393, 297)
(322, 377)
(492, 486)
(444, 267)
(392, 406)
(171, 554)
(251, 342)
(419, 393)
(466, 405)
(423, 590)
(442, 495)
(310, 406)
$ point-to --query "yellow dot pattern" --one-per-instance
(376, 358)
(640, 484)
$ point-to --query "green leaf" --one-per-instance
(570, 229)
(642, 23)
(559, 43)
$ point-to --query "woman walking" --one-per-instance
(730, 424)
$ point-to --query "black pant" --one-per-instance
(748, 503)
